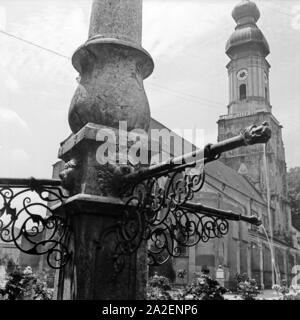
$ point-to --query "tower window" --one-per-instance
(266, 94)
(243, 92)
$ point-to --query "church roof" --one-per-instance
(247, 34)
(221, 172)
(231, 178)
(246, 14)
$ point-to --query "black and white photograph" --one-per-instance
(149, 152)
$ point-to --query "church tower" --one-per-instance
(248, 69)
(249, 103)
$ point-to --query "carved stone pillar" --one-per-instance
(112, 66)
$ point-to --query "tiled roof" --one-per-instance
(223, 173)
(230, 177)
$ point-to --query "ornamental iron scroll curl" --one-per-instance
(27, 219)
(154, 214)
(157, 208)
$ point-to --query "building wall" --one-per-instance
(9, 251)
(245, 248)
(27, 259)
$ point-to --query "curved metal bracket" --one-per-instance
(158, 208)
(26, 213)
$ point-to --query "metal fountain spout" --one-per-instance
(257, 134)
(249, 136)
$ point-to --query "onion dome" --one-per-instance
(246, 9)
(246, 14)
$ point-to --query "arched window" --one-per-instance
(243, 92)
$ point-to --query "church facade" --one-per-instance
(248, 180)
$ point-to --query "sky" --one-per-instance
(188, 88)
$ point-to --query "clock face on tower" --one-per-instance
(242, 74)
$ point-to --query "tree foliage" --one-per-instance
(201, 288)
(25, 285)
(158, 288)
(204, 288)
(246, 287)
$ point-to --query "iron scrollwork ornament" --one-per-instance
(154, 213)
(157, 208)
(27, 219)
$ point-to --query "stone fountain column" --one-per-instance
(112, 65)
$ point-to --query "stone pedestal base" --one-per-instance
(94, 207)
(89, 274)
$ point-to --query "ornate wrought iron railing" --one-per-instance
(28, 221)
(158, 206)
(158, 209)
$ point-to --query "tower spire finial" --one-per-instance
(246, 12)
